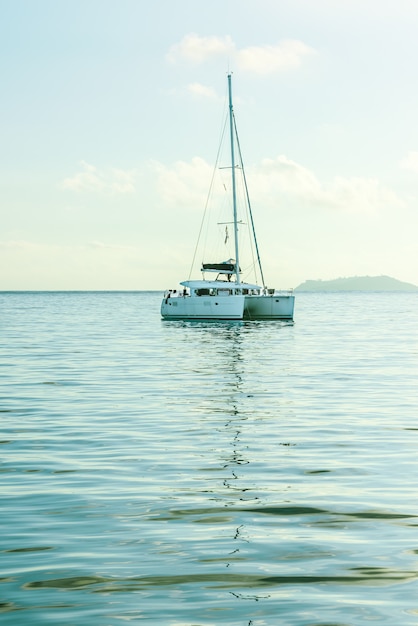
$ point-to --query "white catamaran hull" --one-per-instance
(269, 307)
(203, 308)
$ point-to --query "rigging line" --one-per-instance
(248, 202)
(208, 197)
(249, 232)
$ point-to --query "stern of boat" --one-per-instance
(278, 306)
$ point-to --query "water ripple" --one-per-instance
(224, 580)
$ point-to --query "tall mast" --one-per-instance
(234, 194)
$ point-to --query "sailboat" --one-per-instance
(227, 297)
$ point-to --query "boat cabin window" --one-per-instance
(224, 292)
(205, 292)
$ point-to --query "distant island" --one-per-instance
(357, 283)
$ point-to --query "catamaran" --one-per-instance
(227, 296)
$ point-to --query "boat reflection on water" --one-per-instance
(228, 417)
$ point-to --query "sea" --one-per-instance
(208, 473)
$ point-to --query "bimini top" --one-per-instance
(221, 268)
(226, 267)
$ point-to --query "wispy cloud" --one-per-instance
(277, 182)
(17, 244)
(26, 264)
(183, 184)
(100, 245)
(273, 181)
(91, 179)
(284, 177)
(196, 49)
(264, 59)
(286, 55)
(410, 162)
(34, 246)
(197, 89)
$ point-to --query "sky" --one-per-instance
(110, 118)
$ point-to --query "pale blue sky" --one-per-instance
(110, 114)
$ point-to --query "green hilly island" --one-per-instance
(357, 283)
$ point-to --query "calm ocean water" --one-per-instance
(196, 474)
